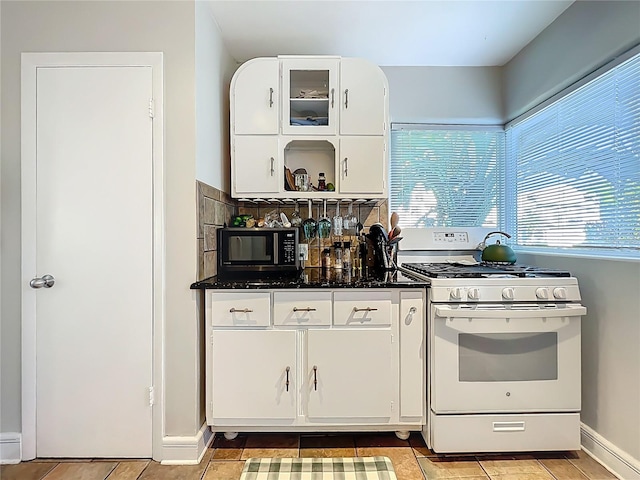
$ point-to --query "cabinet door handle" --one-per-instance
(272, 162)
(315, 377)
(287, 382)
(346, 98)
(409, 319)
(240, 310)
(368, 309)
(332, 96)
(270, 97)
(308, 309)
(346, 166)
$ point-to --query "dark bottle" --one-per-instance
(322, 182)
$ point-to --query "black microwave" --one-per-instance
(257, 252)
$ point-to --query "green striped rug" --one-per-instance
(346, 468)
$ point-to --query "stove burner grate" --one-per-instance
(452, 270)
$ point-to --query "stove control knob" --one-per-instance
(507, 293)
(455, 293)
(560, 293)
(473, 294)
(542, 293)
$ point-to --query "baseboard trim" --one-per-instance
(620, 463)
(186, 450)
(10, 448)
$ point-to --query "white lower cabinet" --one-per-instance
(349, 375)
(323, 360)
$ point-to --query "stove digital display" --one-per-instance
(450, 237)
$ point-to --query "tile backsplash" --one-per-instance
(215, 209)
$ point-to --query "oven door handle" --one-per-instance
(573, 310)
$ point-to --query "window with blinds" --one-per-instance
(573, 169)
(447, 177)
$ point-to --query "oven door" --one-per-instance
(496, 358)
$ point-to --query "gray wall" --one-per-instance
(584, 37)
(147, 26)
(452, 95)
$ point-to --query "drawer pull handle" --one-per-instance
(239, 310)
(308, 309)
(368, 309)
(332, 96)
(287, 382)
(270, 97)
(315, 377)
(346, 98)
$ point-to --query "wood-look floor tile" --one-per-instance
(522, 476)
(590, 467)
(562, 469)
(224, 449)
(512, 467)
(437, 468)
(81, 471)
(403, 459)
(129, 470)
(156, 471)
(223, 471)
(269, 453)
(26, 470)
(327, 446)
(419, 446)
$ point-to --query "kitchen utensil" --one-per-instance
(497, 253)
(324, 224)
(395, 232)
(337, 221)
(394, 240)
(310, 226)
(394, 220)
(289, 181)
(349, 222)
(377, 227)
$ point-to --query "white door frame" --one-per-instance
(30, 63)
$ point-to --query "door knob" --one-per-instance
(45, 281)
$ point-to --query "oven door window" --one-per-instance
(507, 357)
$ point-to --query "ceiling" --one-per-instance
(388, 33)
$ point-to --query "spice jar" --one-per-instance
(326, 258)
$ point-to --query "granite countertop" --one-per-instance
(317, 278)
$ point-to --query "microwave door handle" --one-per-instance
(275, 248)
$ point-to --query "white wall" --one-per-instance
(148, 26)
(584, 37)
(214, 68)
(452, 95)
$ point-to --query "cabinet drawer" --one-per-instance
(242, 308)
(302, 308)
(362, 308)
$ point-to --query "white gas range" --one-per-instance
(503, 363)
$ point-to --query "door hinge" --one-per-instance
(392, 405)
(152, 398)
(151, 112)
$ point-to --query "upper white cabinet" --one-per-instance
(363, 90)
(255, 98)
(318, 113)
(309, 89)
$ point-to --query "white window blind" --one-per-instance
(573, 172)
(447, 177)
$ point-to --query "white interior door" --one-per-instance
(94, 235)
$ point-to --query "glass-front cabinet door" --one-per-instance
(310, 101)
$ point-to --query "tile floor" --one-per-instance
(412, 460)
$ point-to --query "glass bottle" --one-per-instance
(337, 262)
(346, 256)
(326, 258)
(322, 182)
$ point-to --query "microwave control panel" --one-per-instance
(289, 248)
